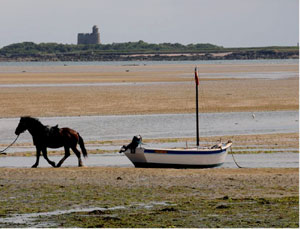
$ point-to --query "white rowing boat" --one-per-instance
(178, 158)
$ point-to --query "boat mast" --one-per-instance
(197, 108)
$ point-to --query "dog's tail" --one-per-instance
(123, 149)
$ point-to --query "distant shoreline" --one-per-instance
(140, 51)
(151, 57)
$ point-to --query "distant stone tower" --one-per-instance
(89, 38)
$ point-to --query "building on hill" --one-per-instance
(89, 38)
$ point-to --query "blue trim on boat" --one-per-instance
(161, 151)
(176, 166)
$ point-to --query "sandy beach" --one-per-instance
(144, 89)
(129, 197)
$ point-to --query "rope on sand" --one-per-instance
(2, 151)
(234, 159)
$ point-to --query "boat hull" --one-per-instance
(178, 158)
(175, 166)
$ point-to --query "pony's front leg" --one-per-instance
(46, 157)
(38, 154)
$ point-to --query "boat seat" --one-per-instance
(217, 146)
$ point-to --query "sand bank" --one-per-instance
(216, 94)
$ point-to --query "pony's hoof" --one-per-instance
(34, 166)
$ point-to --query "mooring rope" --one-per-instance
(234, 159)
(2, 151)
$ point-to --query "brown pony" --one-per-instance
(52, 137)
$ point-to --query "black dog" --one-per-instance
(132, 146)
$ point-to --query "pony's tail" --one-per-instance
(81, 144)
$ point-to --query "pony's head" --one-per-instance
(24, 124)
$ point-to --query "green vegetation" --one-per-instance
(129, 197)
(127, 47)
(29, 51)
(142, 207)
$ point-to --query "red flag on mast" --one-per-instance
(196, 76)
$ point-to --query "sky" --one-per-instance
(228, 23)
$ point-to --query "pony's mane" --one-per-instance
(31, 119)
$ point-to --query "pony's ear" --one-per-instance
(23, 118)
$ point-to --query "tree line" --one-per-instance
(127, 47)
(29, 51)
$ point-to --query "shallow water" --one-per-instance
(132, 63)
(244, 75)
(88, 84)
(263, 160)
(163, 125)
(124, 127)
(33, 219)
(252, 75)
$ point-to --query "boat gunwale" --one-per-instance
(186, 151)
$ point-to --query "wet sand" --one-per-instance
(216, 94)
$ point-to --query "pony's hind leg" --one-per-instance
(77, 152)
(67, 154)
(46, 157)
(38, 154)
